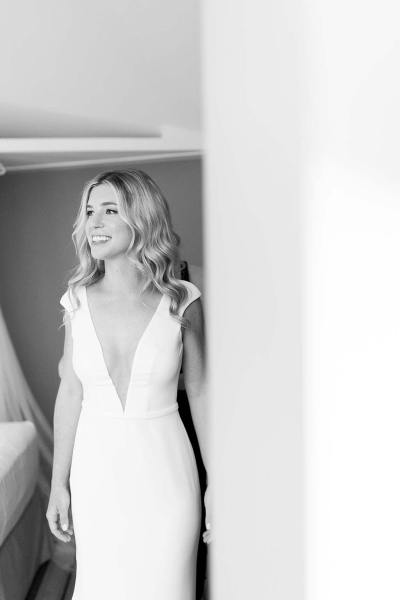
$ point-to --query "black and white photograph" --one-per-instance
(199, 300)
(105, 429)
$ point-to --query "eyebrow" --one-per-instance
(102, 204)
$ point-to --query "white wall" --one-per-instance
(352, 351)
(351, 299)
(252, 183)
(113, 68)
(302, 207)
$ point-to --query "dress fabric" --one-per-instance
(135, 492)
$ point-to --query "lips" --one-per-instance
(100, 239)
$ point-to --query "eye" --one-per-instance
(89, 212)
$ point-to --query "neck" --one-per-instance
(122, 277)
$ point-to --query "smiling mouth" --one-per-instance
(100, 239)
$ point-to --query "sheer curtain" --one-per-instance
(18, 404)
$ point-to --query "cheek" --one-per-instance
(124, 232)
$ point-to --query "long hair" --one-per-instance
(154, 243)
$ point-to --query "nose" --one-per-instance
(98, 220)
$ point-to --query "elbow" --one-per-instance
(195, 392)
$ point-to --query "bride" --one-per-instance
(124, 480)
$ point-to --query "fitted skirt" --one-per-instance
(136, 508)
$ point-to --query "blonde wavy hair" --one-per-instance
(154, 243)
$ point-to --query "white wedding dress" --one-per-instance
(135, 493)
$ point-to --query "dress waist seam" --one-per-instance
(154, 414)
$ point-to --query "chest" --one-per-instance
(126, 345)
(119, 329)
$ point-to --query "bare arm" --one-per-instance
(66, 416)
(194, 373)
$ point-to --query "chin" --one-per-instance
(103, 253)
(99, 252)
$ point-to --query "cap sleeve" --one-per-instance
(65, 301)
(193, 294)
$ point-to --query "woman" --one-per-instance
(122, 455)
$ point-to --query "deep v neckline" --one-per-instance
(100, 347)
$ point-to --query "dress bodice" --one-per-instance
(152, 388)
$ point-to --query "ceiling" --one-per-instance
(97, 82)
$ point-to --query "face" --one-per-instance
(108, 235)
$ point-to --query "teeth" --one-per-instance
(100, 238)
